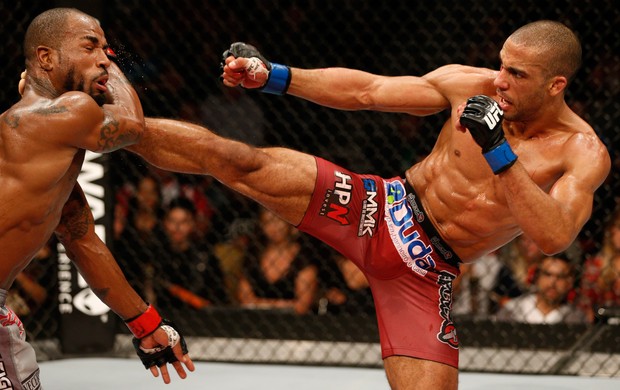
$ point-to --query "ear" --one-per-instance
(557, 86)
(44, 57)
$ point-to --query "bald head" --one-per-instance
(48, 29)
(554, 42)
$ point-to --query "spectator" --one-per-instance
(593, 283)
(548, 303)
(609, 284)
(346, 289)
(188, 275)
(137, 232)
(194, 188)
(277, 272)
(483, 286)
(231, 252)
(522, 257)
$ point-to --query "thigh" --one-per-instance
(407, 373)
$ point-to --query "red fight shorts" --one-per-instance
(381, 226)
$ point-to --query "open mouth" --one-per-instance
(101, 84)
(503, 103)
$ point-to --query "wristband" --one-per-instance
(279, 79)
(144, 324)
(500, 158)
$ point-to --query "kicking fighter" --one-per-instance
(533, 173)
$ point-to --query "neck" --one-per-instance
(42, 87)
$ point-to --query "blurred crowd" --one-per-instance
(176, 250)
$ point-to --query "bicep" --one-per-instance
(575, 189)
(99, 129)
(455, 83)
(406, 94)
(76, 219)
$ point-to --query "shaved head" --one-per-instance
(48, 29)
(555, 42)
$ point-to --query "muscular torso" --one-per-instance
(464, 198)
(37, 174)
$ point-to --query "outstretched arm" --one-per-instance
(98, 267)
(340, 88)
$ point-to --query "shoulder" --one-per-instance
(71, 110)
(457, 81)
(588, 153)
(79, 104)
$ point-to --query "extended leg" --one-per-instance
(280, 179)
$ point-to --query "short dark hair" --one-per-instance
(47, 30)
(556, 41)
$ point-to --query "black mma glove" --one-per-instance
(144, 325)
(483, 118)
(279, 75)
(161, 356)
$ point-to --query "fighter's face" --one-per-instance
(521, 82)
(82, 60)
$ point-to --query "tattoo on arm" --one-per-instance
(111, 136)
(76, 219)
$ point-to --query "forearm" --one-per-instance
(103, 275)
(339, 88)
(94, 260)
(123, 118)
(349, 89)
(551, 224)
(121, 95)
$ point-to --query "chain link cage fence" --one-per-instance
(171, 52)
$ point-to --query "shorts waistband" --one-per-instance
(441, 247)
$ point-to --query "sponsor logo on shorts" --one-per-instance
(337, 199)
(404, 232)
(33, 382)
(368, 222)
(419, 215)
(438, 244)
(5, 382)
(447, 333)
